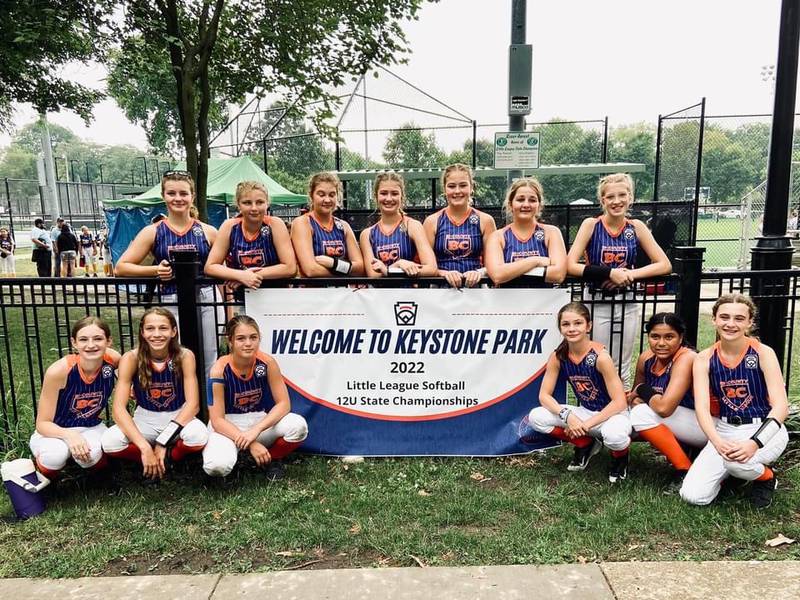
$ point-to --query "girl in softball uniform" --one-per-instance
(609, 245)
(526, 246)
(325, 245)
(7, 247)
(601, 416)
(396, 244)
(89, 251)
(250, 408)
(252, 246)
(662, 401)
(75, 392)
(458, 232)
(160, 375)
(179, 231)
(743, 377)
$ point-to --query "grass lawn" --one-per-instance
(721, 255)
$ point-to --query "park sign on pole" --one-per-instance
(516, 150)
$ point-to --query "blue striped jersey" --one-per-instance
(5, 244)
(517, 249)
(254, 252)
(458, 246)
(389, 247)
(740, 388)
(165, 392)
(86, 240)
(167, 240)
(659, 379)
(84, 397)
(246, 392)
(586, 381)
(615, 250)
(328, 241)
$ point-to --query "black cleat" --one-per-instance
(619, 469)
(275, 471)
(762, 492)
(583, 455)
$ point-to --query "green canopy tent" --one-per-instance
(127, 216)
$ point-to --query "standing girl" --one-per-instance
(179, 231)
(252, 246)
(325, 245)
(89, 251)
(458, 232)
(160, 375)
(396, 243)
(662, 401)
(75, 392)
(600, 417)
(609, 245)
(7, 247)
(743, 377)
(250, 407)
(526, 246)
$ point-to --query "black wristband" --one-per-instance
(596, 273)
(645, 392)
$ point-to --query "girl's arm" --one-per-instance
(287, 264)
(659, 263)
(498, 269)
(216, 411)
(680, 382)
(191, 389)
(424, 250)
(128, 367)
(557, 252)
(353, 252)
(702, 401)
(488, 227)
(366, 250)
(637, 379)
(215, 265)
(128, 264)
(616, 392)
(279, 394)
(303, 249)
(549, 381)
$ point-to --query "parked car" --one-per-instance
(731, 213)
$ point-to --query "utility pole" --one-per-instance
(520, 69)
(50, 190)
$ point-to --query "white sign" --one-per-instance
(516, 150)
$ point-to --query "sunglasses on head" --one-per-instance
(177, 174)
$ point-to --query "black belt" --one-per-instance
(737, 420)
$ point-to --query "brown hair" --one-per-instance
(90, 320)
(178, 176)
(245, 187)
(144, 369)
(735, 299)
(233, 324)
(324, 177)
(530, 182)
(579, 308)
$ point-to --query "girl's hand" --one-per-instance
(377, 265)
(250, 279)
(471, 278)
(621, 277)
(723, 447)
(78, 447)
(160, 453)
(246, 438)
(742, 451)
(411, 269)
(260, 454)
(152, 467)
(575, 427)
(453, 278)
(164, 270)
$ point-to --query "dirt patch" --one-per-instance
(164, 564)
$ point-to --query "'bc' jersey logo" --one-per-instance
(736, 394)
(333, 248)
(584, 387)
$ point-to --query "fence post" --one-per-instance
(186, 268)
(10, 211)
(657, 173)
(698, 172)
(604, 158)
(688, 263)
(474, 144)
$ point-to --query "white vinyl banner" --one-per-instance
(365, 364)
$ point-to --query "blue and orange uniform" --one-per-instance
(616, 250)
(586, 381)
(739, 388)
(328, 241)
(254, 252)
(84, 397)
(659, 379)
(165, 392)
(5, 244)
(168, 240)
(516, 249)
(459, 245)
(86, 240)
(246, 392)
(389, 247)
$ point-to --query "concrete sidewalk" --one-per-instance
(621, 581)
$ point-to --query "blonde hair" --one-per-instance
(324, 177)
(611, 179)
(178, 176)
(530, 182)
(458, 167)
(245, 187)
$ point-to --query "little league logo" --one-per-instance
(591, 359)
(339, 224)
(751, 361)
(197, 230)
(265, 232)
(474, 219)
(405, 314)
(108, 371)
(539, 235)
(629, 233)
(260, 370)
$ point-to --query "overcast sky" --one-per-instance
(627, 59)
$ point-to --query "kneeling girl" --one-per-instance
(601, 415)
(160, 375)
(250, 407)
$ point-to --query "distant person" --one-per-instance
(89, 251)
(55, 231)
(101, 239)
(42, 249)
(7, 248)
(67, 246)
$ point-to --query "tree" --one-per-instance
(219, 51)
(39, 37)
(635, 143)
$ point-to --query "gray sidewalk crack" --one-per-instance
(608, 582)
(214, 589)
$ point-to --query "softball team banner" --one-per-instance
(403, 372)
